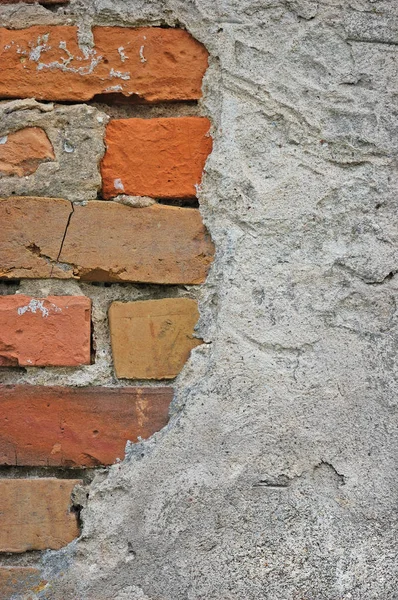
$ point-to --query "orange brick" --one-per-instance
(152, 339)
(35, 514)
(53, 331)
(150, 63)
(76, 427)
(23, 151)
(104, 241)
(19, 580)
(161, 158)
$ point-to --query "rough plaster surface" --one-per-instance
(277, 476)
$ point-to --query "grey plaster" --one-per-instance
(276, 478)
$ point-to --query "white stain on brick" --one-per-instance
(3, 140)
(65, 63)
(38, 305)
(142, 57)
(118, 184)
(119, 74)
(122, 53)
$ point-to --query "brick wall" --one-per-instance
(102, 253)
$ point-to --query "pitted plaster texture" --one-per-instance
(276, 477)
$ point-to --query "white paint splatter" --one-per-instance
(119, 74)
(41, 46)
(118, 184)
(3, 140)
(122, 53)
(142, 57)
(38, 305)
(68, 147)
(64, 65)
(114, 88)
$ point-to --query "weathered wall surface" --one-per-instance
(276, 477)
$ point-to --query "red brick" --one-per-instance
(161, 158)
(150, 63)
(76, 427)
(15, 581)
(152, 339)
(53, 331)
(35, 514)
(105, 241)
(23, 151)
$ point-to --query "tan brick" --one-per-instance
(15, 581)
(151, 63)
(76, 427)
(152, 339)
(161, 158)
(23, 151)
(53, 331)
(105, 241)
(35, 514)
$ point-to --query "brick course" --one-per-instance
(161, 158)
(103, 241)
(76, 427)
(53, 331)
(151, 63)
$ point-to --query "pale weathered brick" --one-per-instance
(35, 514)
(103, 241)
(152, 339)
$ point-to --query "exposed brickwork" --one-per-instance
(104, 241)
(53, 331)
(20, 580)
(154, 64)
(23, 151)
(76, 427)
(152, 339)
(35, 514)
(162, 158)
(87, 421)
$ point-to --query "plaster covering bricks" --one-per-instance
(276, 474)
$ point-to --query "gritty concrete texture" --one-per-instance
(76, 134)
(276, 477)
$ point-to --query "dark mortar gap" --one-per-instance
(117, 106)
(182, 202)
(8, 287)
(15, 472)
